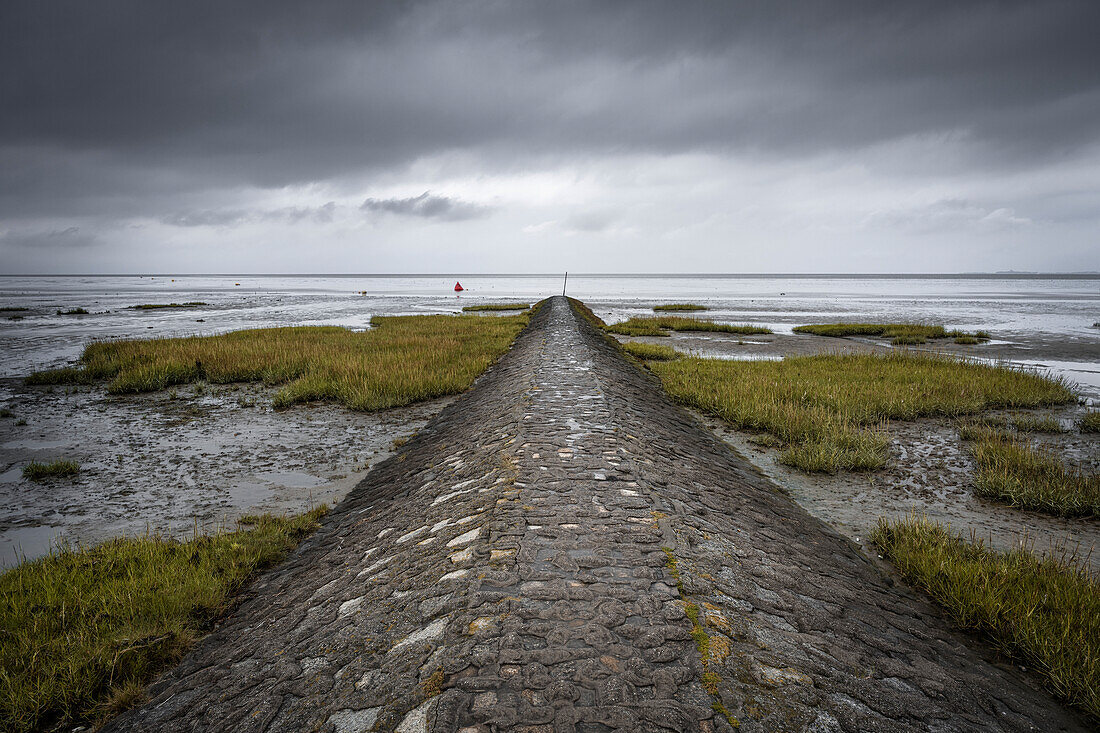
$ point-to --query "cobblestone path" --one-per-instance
(563, 549)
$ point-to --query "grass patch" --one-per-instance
(679, 307)
(156, 306)
(661, 325)
(83, 629)
(1044, 611)
(830, 409)
(900, 334)
(401, 360)
(13, 309)
(1011, 470)
(36, 471)
(498, 307)
(651, 352)
(1036, 424)
(1089, 422)
(5, 412)
(73, 312)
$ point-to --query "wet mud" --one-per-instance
(197, 457)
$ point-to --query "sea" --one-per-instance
(1050, 319)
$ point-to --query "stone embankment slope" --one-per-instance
(563, 549)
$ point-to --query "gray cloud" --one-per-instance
(273, 94)
(427, 206)
(948, 215)
(236, 217)
(195, 114)
(69, 237)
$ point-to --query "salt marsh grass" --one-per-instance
(679, 307)
(1042, 610)
(651, 352)
(82, 629)
(1010, 469)
(1037, 424)
(1089, 422)
(401, 360)
(830, 410)
(974, 428)
(661, 325)
(36, 471)
(73, 312)
(157, 306)
(899, 334)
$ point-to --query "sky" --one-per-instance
(342, 136)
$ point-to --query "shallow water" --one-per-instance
(1043, 311)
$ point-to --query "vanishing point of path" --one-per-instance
(563, 549)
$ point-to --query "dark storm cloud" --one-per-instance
(427, 206)
(110, 105)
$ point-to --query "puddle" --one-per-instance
(295, 479)
(26, 542)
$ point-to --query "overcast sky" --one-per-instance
(331, 136)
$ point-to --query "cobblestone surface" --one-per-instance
(563, 549)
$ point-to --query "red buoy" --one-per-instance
(458, 287)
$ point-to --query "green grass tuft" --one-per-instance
(5, 412)
(830, 409)
(73, 312)
(13, 309)
(498, 307)
(651, 352)
(1011, 470)
(679, 307)
(1044, 611)
(36, 471)
(83, 629)
(1089, 422)
(401, 360)
(155, 306)
(660, 325)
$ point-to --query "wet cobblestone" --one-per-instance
(562, 549)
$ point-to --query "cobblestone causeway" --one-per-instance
(562, 549)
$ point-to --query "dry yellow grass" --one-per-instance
(830, 409)
(399, 361)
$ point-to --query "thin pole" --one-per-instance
(565, 283)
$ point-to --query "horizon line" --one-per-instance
(995, 274)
